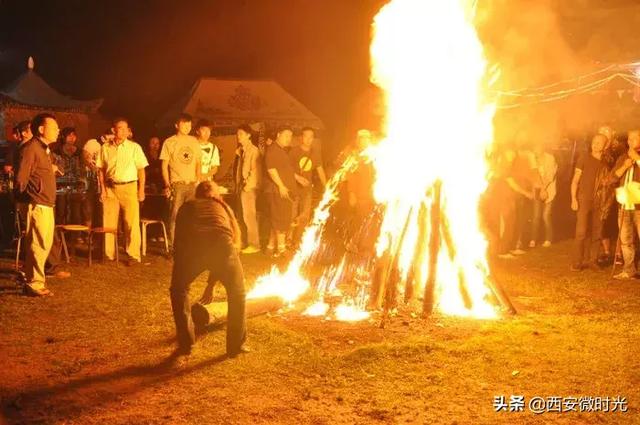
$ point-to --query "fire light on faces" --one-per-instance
(291, 284)
(430, 172)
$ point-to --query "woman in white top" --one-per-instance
(544, 195)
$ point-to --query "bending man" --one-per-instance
(207, 238)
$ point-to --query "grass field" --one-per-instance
(97, 352)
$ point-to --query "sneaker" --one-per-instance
(57, 272)
(242, 350)
(507, 256)
(532, 244)
(62, 274)
(605, 260)
(183, 350)
(518, 251)
(37, 291)
(592, 266)
(619, 261)
(160, 239)
(250, 250)
(623, 276)
(546, 244)
(132, 262)
(576, 267)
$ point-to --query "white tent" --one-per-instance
(230, 103)
(29, 95)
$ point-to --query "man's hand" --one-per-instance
(629, 162)
(207, 295)
(574, 205)
(544, 194)
(56, 170)
(167, 192)
(103, 196)
(141, 195)
(284, 192)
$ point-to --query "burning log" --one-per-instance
(215, 313)
(451, 251)
(434, 247)
(393, 273)
(414, 277)
(500, 295)
(379, 281)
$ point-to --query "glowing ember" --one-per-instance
(431, 163)
(319, 308)
(350, 313)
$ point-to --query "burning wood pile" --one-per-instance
(422, 239)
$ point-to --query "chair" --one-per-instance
(146, 222)
(62, 228)
(19, 236)
(103, 231)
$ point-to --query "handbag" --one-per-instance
(629, 193)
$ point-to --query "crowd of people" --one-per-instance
(111, 181)
(605, 193)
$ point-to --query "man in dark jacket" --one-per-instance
(36, 180)
(207, 237)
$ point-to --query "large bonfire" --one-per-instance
(430, 172)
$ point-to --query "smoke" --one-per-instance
(538, 42)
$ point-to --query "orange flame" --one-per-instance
(428, 60)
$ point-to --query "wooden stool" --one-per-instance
(62, 228)
(144, 223)
(102, 230)
(20, 235)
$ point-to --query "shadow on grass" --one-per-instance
(8, 281)
(63, 402)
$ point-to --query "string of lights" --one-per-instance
(585, 83)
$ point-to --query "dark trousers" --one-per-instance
(506, 208)
(588, 232)
(55, 255)
(220, 258)
(541, 213)
(180, 193)
(522, 212)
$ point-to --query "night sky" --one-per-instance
(142, 55)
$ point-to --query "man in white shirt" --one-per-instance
(121, 165)
(210, 153)
(181, 168)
